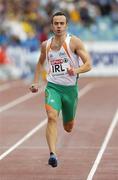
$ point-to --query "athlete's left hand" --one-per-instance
(72, 71)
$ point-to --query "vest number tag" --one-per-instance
(59, 67)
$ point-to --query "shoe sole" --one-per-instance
(52, 162)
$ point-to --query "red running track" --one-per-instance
(89, 152)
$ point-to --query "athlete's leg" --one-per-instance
(69, 106)
(69, 111)
(68, 126)
(51, 130)
(53, 106)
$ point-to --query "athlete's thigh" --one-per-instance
(52, 99)
(69, 105)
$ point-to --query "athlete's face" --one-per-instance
(59, 25)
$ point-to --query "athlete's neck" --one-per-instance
(60, 38)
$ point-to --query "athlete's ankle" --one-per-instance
(52, 153)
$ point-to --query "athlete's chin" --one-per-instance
(59, 33)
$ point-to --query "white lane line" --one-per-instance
(87, 88)
(19, 100)
(69, 148)
(39, 126)
(16, 101)
(27, 136)
(30, 95)
(103, 147)
(5, 87)
(8, 85)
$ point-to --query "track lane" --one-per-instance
(108, 168)
(85, 140)
(15, 90)
(15, 102)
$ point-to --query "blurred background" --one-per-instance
(25, 24)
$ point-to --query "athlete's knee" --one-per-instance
(68, 126)
(52, 117)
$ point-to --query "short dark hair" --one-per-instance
(59, 13)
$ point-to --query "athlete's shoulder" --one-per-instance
(43, 44)
(76, 41)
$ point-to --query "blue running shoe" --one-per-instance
(52, 160)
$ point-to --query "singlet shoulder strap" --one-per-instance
(67, 40)
(66, 47)
(74, 57)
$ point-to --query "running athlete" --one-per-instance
(61, 53)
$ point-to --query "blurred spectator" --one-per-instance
(7, 69)
(25, 24)
(28, 19)
(86, 19)
(50, 7)
(13, 27)
(3, 57)
(114, 12)
(74, 13)
(43, 35)
(105, 6)
(3, 38)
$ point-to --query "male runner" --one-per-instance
(61, 53)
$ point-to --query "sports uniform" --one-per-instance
(62, 89)
(62, 66)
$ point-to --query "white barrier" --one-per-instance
(104, 57)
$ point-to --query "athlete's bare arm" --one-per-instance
(39, 68)
(77, 47)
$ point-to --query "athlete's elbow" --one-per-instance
(88, 67)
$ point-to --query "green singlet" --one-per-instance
(63, 98)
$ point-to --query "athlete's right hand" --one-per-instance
(34, 88)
